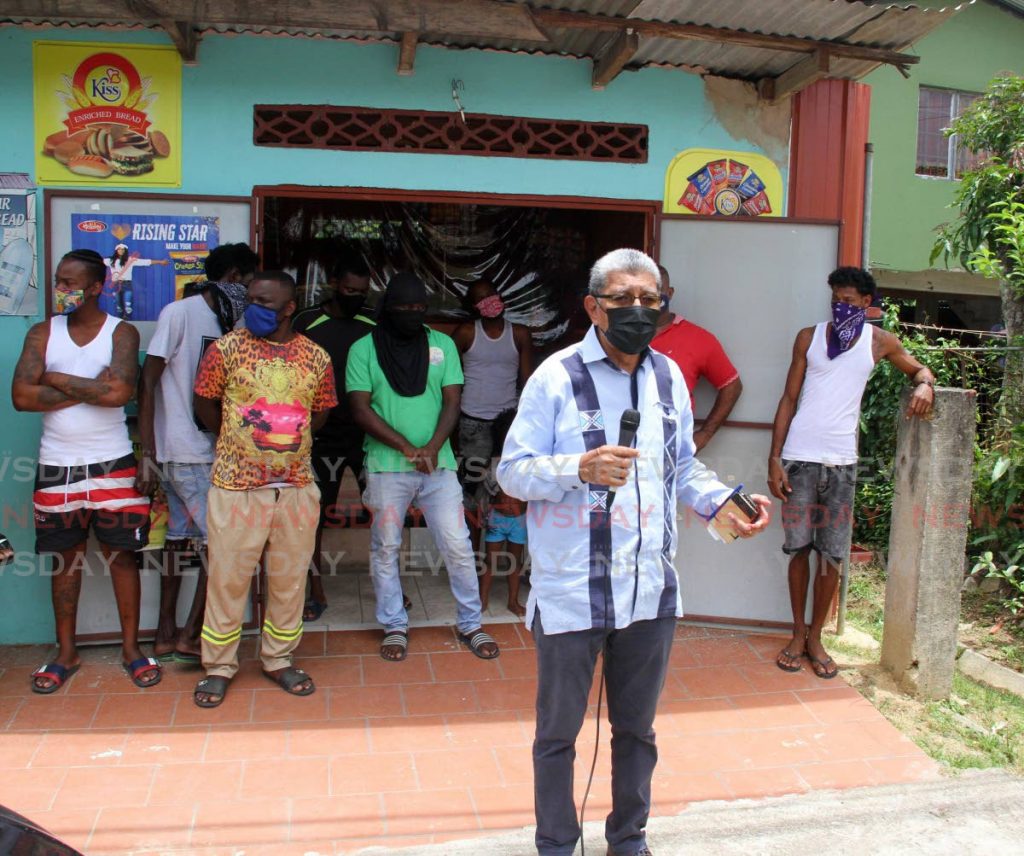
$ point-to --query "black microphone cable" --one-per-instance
(628, 425)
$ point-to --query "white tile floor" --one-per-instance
(350, 594)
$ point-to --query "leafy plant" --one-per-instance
(987, 235)
(880, 416)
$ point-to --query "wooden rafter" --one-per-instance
(474, 18)
(185, 39)
(614, 58)
(482, 20)
(585, 21)
(407, 52)
(803, 74)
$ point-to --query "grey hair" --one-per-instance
(625, 260)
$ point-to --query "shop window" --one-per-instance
(939, 155)
(362, 129)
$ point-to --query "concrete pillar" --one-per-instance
(930, 513)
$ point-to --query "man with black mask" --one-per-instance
(404, 386)
(335, 325)
(604, 575)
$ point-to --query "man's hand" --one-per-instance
(921, 401)
(778, 481)
(424, 459)
(701, 438)
(147, 475)
(607, 465)
(747, 529)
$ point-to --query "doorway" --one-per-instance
(536, 250)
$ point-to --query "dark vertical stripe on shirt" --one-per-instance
(670, 429)
(602, 603)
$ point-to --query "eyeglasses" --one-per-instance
(620, 299)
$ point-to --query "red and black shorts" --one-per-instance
(69, 501)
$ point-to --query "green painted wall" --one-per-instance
(964, 53)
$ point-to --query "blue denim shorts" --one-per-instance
(186, 487)
(501, 527)
(818, 512)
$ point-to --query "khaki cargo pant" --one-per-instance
(240, 524)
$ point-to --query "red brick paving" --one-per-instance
(398, 754)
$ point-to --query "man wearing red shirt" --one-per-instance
(698, 354)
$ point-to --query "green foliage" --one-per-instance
(880, 415)
(993, 126)
(997, 543)
(1006, 220)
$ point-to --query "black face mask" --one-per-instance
(631, 328)
(349, 304)
(406, 322)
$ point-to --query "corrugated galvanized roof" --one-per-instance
(15, 181)
(879, 25)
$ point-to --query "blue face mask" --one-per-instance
(261, 320)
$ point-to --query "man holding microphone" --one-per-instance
(602, 535)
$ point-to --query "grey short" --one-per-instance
(476, 447)
(819, 511)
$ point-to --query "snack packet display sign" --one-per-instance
(107, 114)
(149, 258)
(723, 184)
(18, 292)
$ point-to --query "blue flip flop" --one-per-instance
(55, 672)
(144, 665)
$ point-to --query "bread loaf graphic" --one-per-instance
(91, 165)
(106, 149)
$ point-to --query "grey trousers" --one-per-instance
(635, 667)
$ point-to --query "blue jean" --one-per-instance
(636, 662)
(186, 487)
(439, 496)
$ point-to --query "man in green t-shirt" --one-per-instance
(404, 383)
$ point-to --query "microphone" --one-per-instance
(628, 426)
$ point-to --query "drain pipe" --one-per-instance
(869, 163)
(865, 262)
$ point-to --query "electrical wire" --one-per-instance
(597, 744)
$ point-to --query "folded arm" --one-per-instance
(28, 391)
(115, 385)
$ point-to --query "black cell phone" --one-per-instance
(746, 505)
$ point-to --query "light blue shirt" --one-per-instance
(540, 464)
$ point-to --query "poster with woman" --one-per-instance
(18, 292)
(149, 257)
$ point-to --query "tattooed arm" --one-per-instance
(28, 391)
(114, 386)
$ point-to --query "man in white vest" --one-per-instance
(812, 467)
(78, 369)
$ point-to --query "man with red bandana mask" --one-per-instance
(812, 467)
(497, 358)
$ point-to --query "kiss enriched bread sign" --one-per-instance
(107, 115)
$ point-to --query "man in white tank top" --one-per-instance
(812, 467)
(78, 369)
(497, 358)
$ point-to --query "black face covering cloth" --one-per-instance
(402, 349)
(228, 303)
